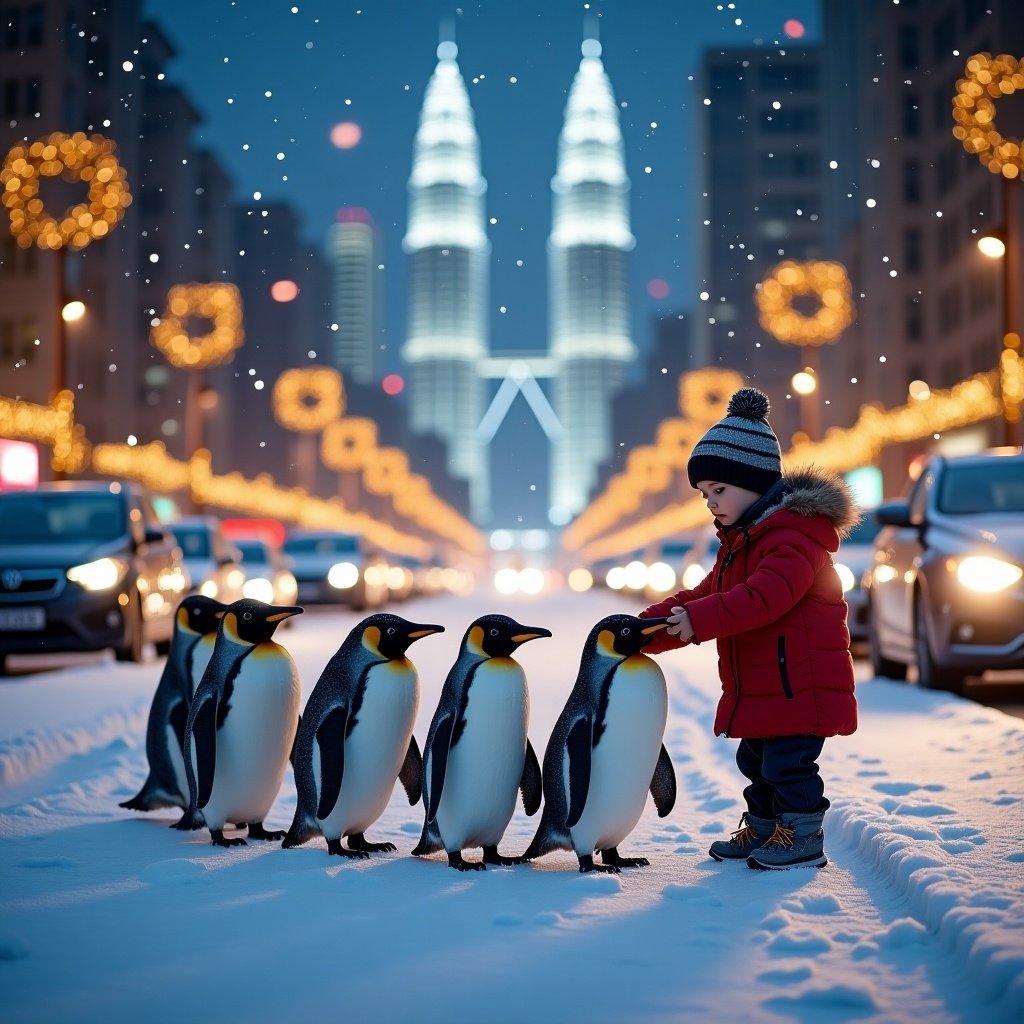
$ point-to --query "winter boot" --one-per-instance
(795, 843)
(752, 834)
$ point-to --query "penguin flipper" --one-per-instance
(411, 772)
(430, 840)
(330, 735)
(549, 837)
(437, 757)
(530, 785)
(663, 785)
(578, 744)
(295, 742)
(178, 719)
(204, 736)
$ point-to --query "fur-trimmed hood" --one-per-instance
(809, 491)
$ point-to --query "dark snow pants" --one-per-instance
(783, 774)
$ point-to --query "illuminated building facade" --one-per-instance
(355, 297)
(590, 339)
(448, 271)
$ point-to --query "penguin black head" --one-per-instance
(619, 636)
(391, 635)
(199, 614)
(252, 622)
(497, 636)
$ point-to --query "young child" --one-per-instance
(774, 605)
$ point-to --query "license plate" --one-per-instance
(22, 618)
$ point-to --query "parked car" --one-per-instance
(854, 558)
(267, 576)
(85, 566)
(331, 567)
(946, 588)
(212, 562)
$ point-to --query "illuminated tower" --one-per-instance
(587, 265)
(352, 251)
(448, 255)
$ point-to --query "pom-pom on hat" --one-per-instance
(741, 449)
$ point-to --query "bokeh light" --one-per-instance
(658, 288)
(794, 28)
(284, 291)
(392, 384)
(346, 135)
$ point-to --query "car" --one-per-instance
(331, 567)
(85, 566)
(854, 558)
(946, 587)
(267, 576)
(213, 563)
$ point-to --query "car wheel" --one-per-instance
(880, 664)
(930, 675)
(132, 647)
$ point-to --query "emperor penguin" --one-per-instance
(242, 723)
(478, 753)
(356, 736)
(195, 625)
(606, 751)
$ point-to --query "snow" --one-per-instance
(109, 915)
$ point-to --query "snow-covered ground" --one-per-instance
(106, 915)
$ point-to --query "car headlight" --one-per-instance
(846, 577)
(343, 575)
(259, 589)
(987, 575)
(102, 574)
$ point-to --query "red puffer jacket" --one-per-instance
(774, 604)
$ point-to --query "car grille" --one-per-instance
(18, 584)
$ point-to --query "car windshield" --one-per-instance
(864, 532)
(38, 517)
(337, 544)
(194, 541)
(253, 550)
(997, 485)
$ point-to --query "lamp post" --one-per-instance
(805, 384)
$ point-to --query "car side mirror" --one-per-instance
(894, 513)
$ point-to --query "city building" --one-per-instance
(352, 250)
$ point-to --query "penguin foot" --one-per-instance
(217, 835)
(587, 864)
(334, 846)
(491, 856)
(455, 861)
(257, 831)
(358, 842)
(611, 856)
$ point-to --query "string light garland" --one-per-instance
(307, 400)
(825, 280)
(52, 425)
(79, 157)
(986, 80)
(219, 303)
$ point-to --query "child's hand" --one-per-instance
(679, 624)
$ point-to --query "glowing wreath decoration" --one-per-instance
(347, 444)
(827, 281)
(387, 472)
(306, 400)
(988, 79)
(219, 303)
(78, 157)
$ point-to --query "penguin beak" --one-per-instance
(284, 613)
(535, 633)
(423, 631)
(655, 625)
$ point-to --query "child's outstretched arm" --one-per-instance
(672, 638)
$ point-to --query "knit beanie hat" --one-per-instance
(741, 449)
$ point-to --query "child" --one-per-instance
(774, 604)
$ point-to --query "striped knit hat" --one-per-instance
(742, 449)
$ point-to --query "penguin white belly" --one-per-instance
(486, 765)
(623, 762)
(374, 750)
(256, 738)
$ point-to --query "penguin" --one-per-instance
(195, 626)
(477, 752)
(356, 736)
(606, 751)
(242, 724)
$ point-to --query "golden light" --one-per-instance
(986, 80)
(580, 580)
(346, 135)
(992, 246)
(919, 390)
(221, 304)
(284, 291)
(822, 279)
(73, 310)
(346, 444)
(307, 400)
(78, 157)
(804, 383)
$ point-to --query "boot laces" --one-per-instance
(782, 836)
(744, 836)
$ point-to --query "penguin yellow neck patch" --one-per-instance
(606, 645)
(371, 640)
(230, 621)
(475, 642)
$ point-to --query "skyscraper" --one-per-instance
(352, 251)
(448, 256)
(587, 267)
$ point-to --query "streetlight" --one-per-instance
(805, 384)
